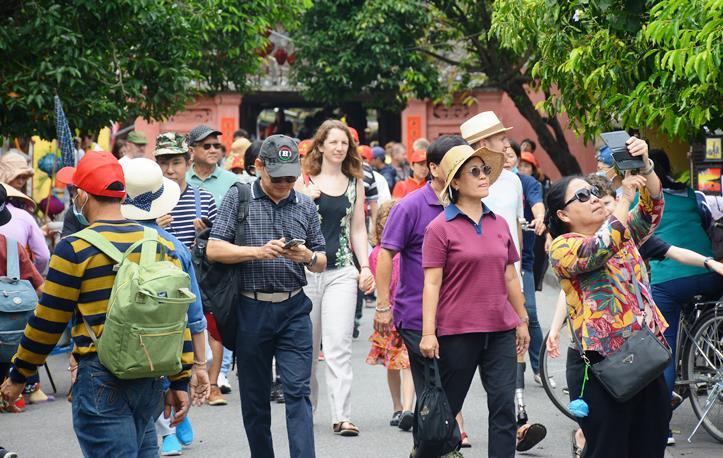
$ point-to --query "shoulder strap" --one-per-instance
(149, 246)
(13, 259)
(196, 200)
(100, 242)
(244, 196)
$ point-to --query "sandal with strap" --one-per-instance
(464, 441)
(577, 451)
(346, 429)
(530, 435)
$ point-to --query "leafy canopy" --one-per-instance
(116, 60)
(634, 63)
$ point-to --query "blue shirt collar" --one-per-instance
(452, 211)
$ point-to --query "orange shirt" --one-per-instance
(403, 188)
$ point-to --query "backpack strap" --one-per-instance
(149, 245)
(100, 242)
(244, 196)
(13, 259)
(197, 200)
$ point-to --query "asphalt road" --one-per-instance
(46, 430)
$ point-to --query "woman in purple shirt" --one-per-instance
(474, 313)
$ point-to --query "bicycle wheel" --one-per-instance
(552, 374)
(703, 369)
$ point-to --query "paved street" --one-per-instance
(46, 430)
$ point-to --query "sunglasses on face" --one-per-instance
(277, 180)
(208, 146)
(477, 171)
(583, 195)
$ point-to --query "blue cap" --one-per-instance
(378, 152)
(605, 155)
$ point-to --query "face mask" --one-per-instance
(601, 173)
(79, 213)
(515, 170)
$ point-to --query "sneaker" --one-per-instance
(675, 400)
(184, 432)
(355, 333)
(671, 439)
(37, 397)
(553, 384)
(537, 379)
(216, 398)
(406, 421)
(171, 446)
(395, 418)
(7, 453)
(223, 384)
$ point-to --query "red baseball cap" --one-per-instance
(365, 151)
(305, 147)
(95, 172)
(529, 157)
(418, 156)
(354, 134)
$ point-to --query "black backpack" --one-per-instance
(435, 422)
(220, 283)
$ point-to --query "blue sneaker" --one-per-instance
(184, 431)
(171, 446)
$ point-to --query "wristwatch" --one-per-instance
(311, 263)
(706, 261)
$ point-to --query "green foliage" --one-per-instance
(653, 64)
(118, 59)
(347, 48)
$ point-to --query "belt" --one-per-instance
(271, 297)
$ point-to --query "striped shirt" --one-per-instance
(185, 212)
(370, 184)
(79, 283)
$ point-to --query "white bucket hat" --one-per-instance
(149, 194)
(482, 125)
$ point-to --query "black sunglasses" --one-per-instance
(477, 171)
(207, 146)
(583, 195)
(277, 180)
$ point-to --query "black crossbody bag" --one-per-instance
(639, 361)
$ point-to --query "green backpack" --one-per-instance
(146, 316)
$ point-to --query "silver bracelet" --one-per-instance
(649, 169)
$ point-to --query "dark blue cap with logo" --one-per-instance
(280, 156)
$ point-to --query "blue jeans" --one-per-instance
(670, 296)
(281, 330)
(226, 363)
(113, 417)
(528, 283)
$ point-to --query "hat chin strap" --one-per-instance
(145, 200)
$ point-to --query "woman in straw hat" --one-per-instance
(474, 314)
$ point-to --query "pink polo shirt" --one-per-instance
(474, 257)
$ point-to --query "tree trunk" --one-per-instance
(553, 140)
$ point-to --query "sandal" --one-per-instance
(530, 435)
(577, 451)
(346, 429)
(464, 441)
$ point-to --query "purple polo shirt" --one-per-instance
(404, 233)
(474, 257)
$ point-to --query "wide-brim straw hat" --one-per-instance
(480, 126)
(149, 194)
(13, 165)
(12, 192)
(458, 155)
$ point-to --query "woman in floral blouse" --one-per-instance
(596, 259)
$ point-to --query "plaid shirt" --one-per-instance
(293, 218)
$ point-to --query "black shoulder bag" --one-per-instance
(220, 283)
(639, 361)
(435, 420)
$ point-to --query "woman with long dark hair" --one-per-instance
(601, 271)
(333, 178)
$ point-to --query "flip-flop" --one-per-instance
(349, 431)
(529, 436)
(464, 441)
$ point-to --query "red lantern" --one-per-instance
(280, 55)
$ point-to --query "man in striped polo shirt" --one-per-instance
(194, 212)
(196, 206)
(111, 417)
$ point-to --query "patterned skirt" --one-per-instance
(388, 351)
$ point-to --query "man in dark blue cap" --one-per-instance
(282, 237)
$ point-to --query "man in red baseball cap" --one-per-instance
(78, 286)
(420, 172)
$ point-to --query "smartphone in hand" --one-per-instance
(294, 243)
(616, 141)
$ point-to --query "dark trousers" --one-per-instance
(281, 330)
(634, 429)
(494, 354)
(670, 296)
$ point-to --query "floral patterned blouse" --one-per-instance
(596, 274)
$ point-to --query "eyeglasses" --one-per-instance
(477, 171)
(277, 180)
(583, 195)
(208, 146)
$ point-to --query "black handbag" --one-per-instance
(435, 422)
(639, 361)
